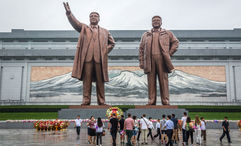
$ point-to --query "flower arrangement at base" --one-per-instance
(239, 124)
(51, 125)
(114, 110)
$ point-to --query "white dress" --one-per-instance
(198, 134)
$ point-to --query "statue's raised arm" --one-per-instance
(73, 21)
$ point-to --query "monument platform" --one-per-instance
(154, 111)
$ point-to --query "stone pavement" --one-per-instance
(31, 137)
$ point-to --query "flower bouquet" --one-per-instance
(239, 124)
(114, 110)
(51, 125)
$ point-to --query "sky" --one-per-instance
(121, 14)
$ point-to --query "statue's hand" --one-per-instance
(67, 8)
(141, 66)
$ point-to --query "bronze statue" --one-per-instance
(90, 62)
(156, 47)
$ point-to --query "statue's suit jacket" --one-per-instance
(168, 45)
(106, 42)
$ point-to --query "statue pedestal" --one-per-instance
(154, 111)
(84, 111)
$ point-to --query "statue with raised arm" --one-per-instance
(91, 58)
(156, 47)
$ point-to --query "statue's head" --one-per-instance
(156, 21)
(94, 18)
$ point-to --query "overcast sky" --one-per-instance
(121, 14)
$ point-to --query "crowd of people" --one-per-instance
(133, 130)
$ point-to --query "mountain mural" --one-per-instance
(129, 84)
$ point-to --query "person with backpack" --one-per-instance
(99, 131)
(189, 130)
(175, 130)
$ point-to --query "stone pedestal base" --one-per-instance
(85, 112)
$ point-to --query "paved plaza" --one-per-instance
(31, 137)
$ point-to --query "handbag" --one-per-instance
(103, 133)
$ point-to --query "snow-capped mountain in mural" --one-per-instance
(129, 84)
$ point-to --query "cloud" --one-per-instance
(121, 14)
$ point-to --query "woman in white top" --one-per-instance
(99, 131)
(198, 130)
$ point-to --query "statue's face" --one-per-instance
(94, 19)
(156, 22)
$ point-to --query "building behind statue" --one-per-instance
(36, 68)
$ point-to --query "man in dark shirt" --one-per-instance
(175, 130)
(226, 130)
(113, 127)
(121, 122)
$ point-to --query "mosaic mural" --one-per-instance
(187, 83)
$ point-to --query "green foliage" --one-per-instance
(201, 108)
(28, 115)
(216, 115)
(34, 106)
(208, 107)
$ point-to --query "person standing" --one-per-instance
(169, 125)
(139, 130)
(91, 57)
(226, 130)
(113, 127)
(99, 131)
(121, 131)
(175, 130)
(128, 127)
(189, 130)
(197, 124)
(155, 51)
(203, 128)
(144, 128)
(163, 130)
(91, 130)
(183, 123)
(77, 125)
(158, 129)
(150, 128)
(135, 129)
